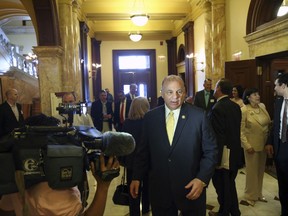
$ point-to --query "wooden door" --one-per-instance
(144, 78)
(270, 66)
(242, 73)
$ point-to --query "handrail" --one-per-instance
(24, 65)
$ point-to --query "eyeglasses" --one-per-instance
(169, 93)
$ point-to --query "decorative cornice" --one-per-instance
(263, 41)
(269, 33)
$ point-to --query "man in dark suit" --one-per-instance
(121, 111)
(226, 120)
(277, 144)
(179, 152)
(205, 98)
(132, 93)
(102, 113)
(11, 115)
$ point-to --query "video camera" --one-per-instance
(70, 109)
(58, 155)
(66, 108)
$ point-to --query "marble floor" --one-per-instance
(270, 191)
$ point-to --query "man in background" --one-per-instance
(132, 93)
(110, 97)
(102, 113)
(77, 120)
(11, 115)
(205, 98)
(277, 145)
(121, 111)
(226, 121)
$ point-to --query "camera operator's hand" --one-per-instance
(97, 207)
(108, 170)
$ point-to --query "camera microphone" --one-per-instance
(113, 143)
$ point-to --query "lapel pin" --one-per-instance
(183, 116)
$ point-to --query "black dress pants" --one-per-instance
(281, 163)
(224, 183)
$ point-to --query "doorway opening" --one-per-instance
(135, 66)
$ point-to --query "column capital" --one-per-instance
(48, 51)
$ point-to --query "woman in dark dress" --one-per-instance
(133, 125)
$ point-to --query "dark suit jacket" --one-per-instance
(274, 135)
(8, 120)
(129, 100)
(199, 100)
(97, 114)
(193, 154)
(134, 127)
(128, 97)
(117, 109)
(226, 121)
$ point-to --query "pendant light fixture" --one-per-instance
(138, 15)
(139, 19)
(135, 37)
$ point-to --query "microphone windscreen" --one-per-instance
(117, 143)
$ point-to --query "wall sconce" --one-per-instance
(237, 56)
(93, 73)
(161, 58)
(96, 65)
(135, 37)
(199, 65)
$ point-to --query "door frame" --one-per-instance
(152, 97)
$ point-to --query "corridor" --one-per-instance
(270, 191)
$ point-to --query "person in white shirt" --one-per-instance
(78, 120)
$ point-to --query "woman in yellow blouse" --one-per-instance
(254, 132)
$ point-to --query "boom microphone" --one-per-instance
(113, 143)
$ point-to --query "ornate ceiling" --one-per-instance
(110, 19)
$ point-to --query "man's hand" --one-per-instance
(269, 149)
(196, 186)
(134, 188)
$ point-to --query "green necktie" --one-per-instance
(207, 94)
(170, 122)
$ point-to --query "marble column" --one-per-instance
(208, 39)
(76, 58)
(188, 30)
(49, 73)
(67, 41)
(218, 39)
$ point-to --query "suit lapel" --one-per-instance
(203, 98)
(11, 113)
(183, 116)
